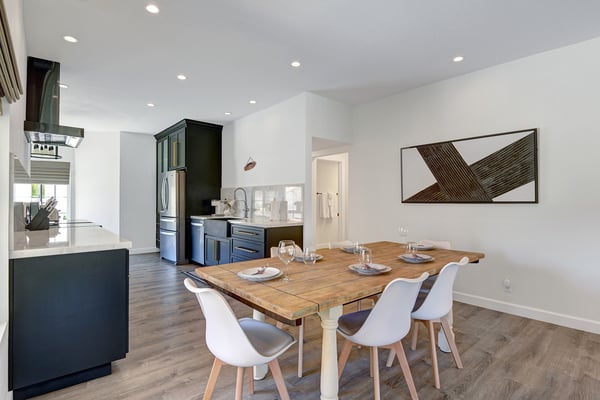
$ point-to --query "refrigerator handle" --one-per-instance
(164, 197)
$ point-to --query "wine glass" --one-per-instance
(285, 251)
(403, 232)
(365, 257)
(309, 255)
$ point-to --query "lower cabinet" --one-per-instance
(69, 319)
(217, 250)
(252, 242)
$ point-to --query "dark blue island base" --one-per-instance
(68, 319)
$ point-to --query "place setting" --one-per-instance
(308, 256)
(260, 274)
(366, 265)
(416, 258)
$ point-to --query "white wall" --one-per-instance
(96, 178)
(18, 143)
(545, 249)
(11, 139)
(328, 119)
(274, 138)
(137, 191)
(5, 161)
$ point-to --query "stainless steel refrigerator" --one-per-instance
(172, 216)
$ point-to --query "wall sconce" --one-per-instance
(249, 164)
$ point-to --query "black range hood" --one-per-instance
(43, 106)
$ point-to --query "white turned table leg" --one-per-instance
(260, 371)
(442, 342)
(329, 367)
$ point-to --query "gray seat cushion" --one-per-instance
(350, 323)
(267, 339)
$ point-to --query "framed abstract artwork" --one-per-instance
(497, 168)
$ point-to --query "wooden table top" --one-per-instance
(324, 285)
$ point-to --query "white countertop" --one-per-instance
(65, 240)
(266, 223)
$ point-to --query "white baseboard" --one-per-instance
(144, 250)
(568, 321)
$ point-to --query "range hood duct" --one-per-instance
(43, 106)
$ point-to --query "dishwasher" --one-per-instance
(197, 236)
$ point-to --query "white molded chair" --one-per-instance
(425, 288)
(435, 308)
(274, 251)
(242, 343)
(382, 326)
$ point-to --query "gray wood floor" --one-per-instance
(504, 357)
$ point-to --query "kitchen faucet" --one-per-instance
(245, 200)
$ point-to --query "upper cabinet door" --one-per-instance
(177, 150)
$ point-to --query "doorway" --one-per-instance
(329, 198)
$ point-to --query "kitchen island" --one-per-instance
(68, 306)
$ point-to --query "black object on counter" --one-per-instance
(40, 221)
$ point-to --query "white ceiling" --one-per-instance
(232, 51)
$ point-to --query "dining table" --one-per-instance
(324, 288)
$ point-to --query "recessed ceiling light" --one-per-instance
(150, 105)
(458, 58)
(181, 77)
(295, 64)
(70, 39)
(63, 85)
(152, 9)
(252, 102)
(227, 113)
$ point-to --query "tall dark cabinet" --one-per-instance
(196, 148)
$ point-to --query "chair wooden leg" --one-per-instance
(251, 380)
(300, 347)
(405, 370)
(450, 338)
(344, 357)
(375, 372)
(278, 378)
(434, 363)
(212, 379)
(390, 359)
(414, 336)
(239, 383)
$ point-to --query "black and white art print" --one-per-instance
(497, 168)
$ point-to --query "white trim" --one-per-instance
(144, 250)
(568, 321)
(3, 330)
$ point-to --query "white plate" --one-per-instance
(301, 258)
(252, 274)
(374, 269)
(423, 247)
(352, 250)
(416, 259)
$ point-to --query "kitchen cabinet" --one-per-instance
(195, 147)
(251, 242)
(69, 318)
(177, 149)
(162, 165)
(217, 250)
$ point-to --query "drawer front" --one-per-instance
(247, 249)
(240, 258)
(248, 232)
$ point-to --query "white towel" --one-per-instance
(323, 204)
(329, 205)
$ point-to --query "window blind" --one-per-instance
(46, 172)
(10, 83)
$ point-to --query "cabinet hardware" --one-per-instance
(245, 249)
(246, 233)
